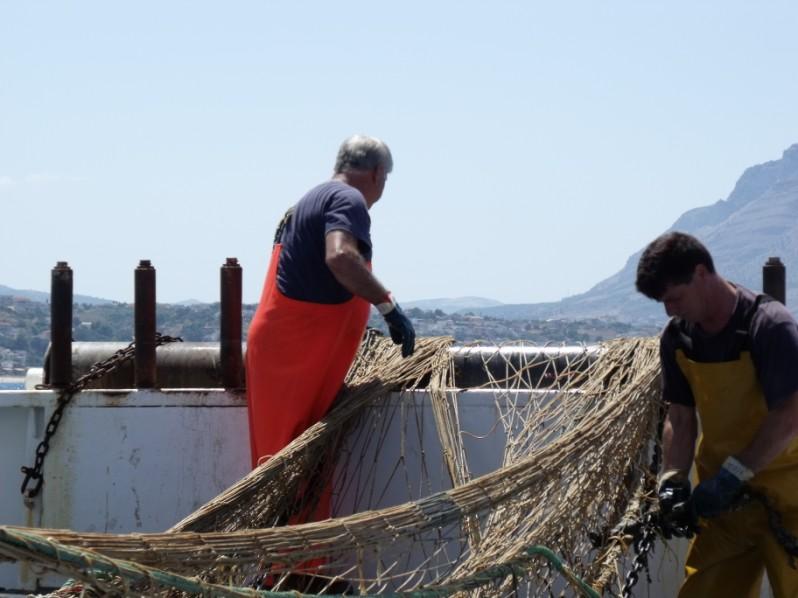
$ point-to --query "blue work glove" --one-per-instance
(717, 494)
(399, 325)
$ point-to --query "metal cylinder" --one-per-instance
(144, 324)
(774, 279)
(198, 365)
(541, 367)
(230, 325)
(61, 325)
(179, 365)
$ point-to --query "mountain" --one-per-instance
(190, 302)
(45, 297)
(759, 219)
(450, 306)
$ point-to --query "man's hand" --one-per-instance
(676, 517)
(717, 494)
(401, 328)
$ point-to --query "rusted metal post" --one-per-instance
(61, 325)
(230, 325)
(144, 315)
(774, 279)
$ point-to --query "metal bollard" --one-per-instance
(144, 324)
(230, 325)
(61, 325)
(774, 279)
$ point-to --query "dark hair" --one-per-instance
(670, 259)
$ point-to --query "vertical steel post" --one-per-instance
(144, 315)
(774, 279)
(61, 325)
(230, 325)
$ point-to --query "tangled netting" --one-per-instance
(420, 505)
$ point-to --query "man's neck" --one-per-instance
(722, 301)
(356, 180)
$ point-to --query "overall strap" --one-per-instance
(681, 331)
(278, 234)
(742, 336)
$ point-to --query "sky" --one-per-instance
(536, 145)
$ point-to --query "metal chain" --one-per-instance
(644, 543)
(96, 371)
(783, 536)
(643, 546)
(646, 535)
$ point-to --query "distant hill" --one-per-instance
(190, 302)
(759, 219)
(45, 297)
(450, 306)
(25, 327)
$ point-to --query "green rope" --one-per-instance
(93, 561)
(89, 560)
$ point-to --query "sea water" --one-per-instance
(12, 384)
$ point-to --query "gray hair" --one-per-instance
(361, 152)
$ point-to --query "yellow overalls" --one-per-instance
(730, 555)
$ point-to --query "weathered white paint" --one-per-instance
(121, 461)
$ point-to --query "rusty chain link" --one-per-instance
(96, 371)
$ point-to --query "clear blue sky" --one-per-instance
(536, 145)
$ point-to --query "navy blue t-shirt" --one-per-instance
(302, 273)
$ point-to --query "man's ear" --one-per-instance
(700, 272)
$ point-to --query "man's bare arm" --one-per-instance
(678, 438)
(349, 268)
(777, 430)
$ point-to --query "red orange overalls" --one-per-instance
(298, 354)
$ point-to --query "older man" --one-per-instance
(316, 300)
(731, 357)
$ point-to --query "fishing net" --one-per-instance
(419, 506)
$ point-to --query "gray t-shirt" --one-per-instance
(771, 335)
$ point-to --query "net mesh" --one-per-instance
(510, 487)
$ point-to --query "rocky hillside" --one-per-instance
(759, 219)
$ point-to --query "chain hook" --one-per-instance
(31, 474)
(96, 371)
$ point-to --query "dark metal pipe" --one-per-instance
(198, 365)
(179, 365)
(774, 279)
(539, 367)
(61, 325)
(230, 325)
(144, 314)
